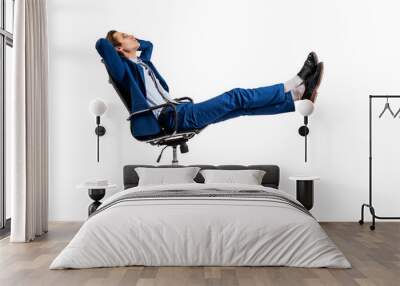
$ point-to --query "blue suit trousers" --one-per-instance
(266, 100)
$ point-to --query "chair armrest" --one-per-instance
(133, 114)
(184, 98)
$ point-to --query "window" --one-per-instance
(6, 44)
(9, 11)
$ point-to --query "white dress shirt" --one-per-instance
(154, 90)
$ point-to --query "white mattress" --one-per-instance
(200, 231)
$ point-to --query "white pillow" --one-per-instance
(163, 176)
(249, 177)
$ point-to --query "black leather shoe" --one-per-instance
(312, 83)
(309, 67)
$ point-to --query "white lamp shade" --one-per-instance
(305, 107)
(97, 107)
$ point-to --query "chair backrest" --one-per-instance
(138, 123)
(125, 98)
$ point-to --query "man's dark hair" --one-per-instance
(113, 40)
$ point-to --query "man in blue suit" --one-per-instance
(138, 76)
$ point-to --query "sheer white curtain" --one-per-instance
(27, 133)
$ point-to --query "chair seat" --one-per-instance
(169, 139)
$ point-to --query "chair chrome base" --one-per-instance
(174, 140)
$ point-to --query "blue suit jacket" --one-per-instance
(129, 78)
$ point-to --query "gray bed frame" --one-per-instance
(270, 179)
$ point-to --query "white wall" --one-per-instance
(203, 48)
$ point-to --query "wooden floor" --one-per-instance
(374, 255)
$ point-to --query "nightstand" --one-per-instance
(305, 190)
(96, 193)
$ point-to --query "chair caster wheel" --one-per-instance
(372, 227)
(184, 148)
(361, 222)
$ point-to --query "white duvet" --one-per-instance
(200, 231)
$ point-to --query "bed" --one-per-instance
(201, 224)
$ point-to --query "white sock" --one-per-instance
(297, 92)
(292, 83)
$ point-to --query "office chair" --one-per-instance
(164, 137)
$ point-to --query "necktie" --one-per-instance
(151, 73)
